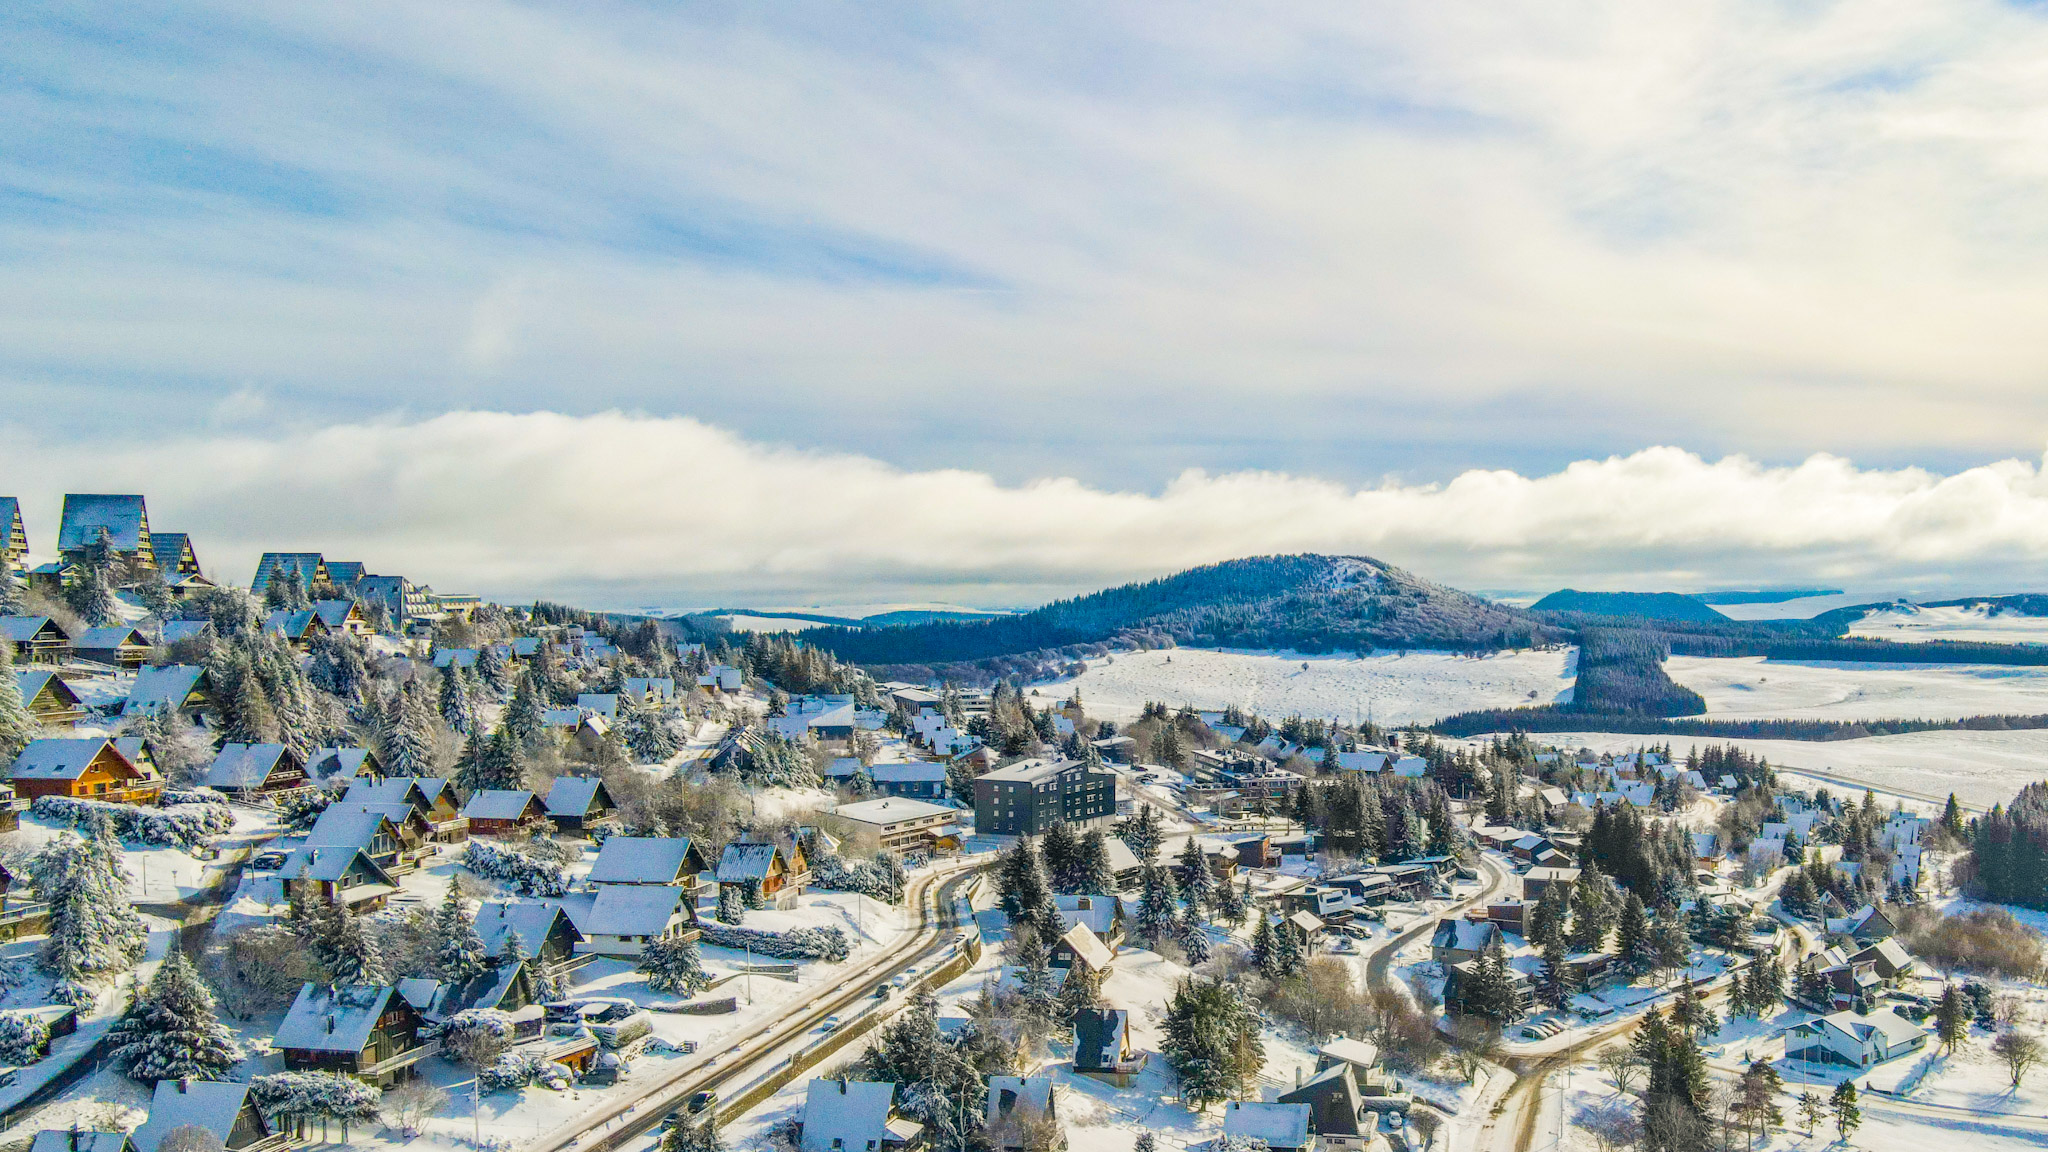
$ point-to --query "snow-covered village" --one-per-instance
(335, 859)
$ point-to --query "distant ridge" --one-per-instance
(1765, 595)
(1643, 605)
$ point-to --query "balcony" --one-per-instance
(401, 1060)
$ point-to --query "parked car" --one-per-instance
(700, 1101)
(830, 1023)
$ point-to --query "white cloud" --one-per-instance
(619, 510)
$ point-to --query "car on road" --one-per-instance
(699, 1102)
(269, 861)
(831, 1022)
(669, 1121)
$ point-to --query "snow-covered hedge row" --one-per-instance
(193, 796)
(22, 1038)
(526, 875)
(518, 1069)
(177, 826)
(881, 878)
(828, 943)
(316, 1094)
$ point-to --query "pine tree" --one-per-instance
(254, 721)
(1233, 904)
(1553, 981)
(1158, 905)
(1291, 955)
(1194, 937)
(94, 930)
(1691, 1013)
(1092, 875)
(1212, 1042)
(1757, 1100)
(1197, 882)
(17, 725)
(502, 763)
(350, 954)
(1061, 853)
(456, 707)
(1767, 987)
(1590, 913)
(1951, 1018)
(458, 955)
(409, 744)
(1811, 1109)
(1632, 935)
(1848, 1116)
(13, 602)
(1141, 834)
(732, 905)
(172, 1030)
(673, 965)
(1266, 949)
(525, 716)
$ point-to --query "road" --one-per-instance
(622, 1120)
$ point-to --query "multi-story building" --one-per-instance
(1031, 796)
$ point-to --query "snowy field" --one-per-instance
(1751, 687)
(1981, 768)
(1393, 688)
(1910, 624)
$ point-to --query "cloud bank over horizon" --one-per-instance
(619, 510)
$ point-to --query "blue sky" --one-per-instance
(1356, 245)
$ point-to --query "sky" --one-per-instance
(716, 304)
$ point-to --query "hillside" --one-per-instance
(1643, 605)
(1309, 603)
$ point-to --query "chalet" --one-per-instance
(1853, 1040)
(1104, 916)
(854, 1116)
(122, 521)
(174, 554)
(1456, 941)
(342, 617)
(1280, 1127)
(760, 871)
(13, 537)
(1306, 925)
(648, 690)
(1456, 975)
(506, 984)
(605, 704)
(1337, 1113)
(1890, 961)
(546, 934)
(338, 876)
(906, 827)
(345, 764)
(431, 797)
(174, 689)
(659, 860)
(720, 679)
(503, 812)
(1865, 923)
(309, 567)
(179, 631)
(370, 827)
(1014, 1102)
(455, 657)
(1536, 881)
(75, 1139)
(223, 1109)
(48, 698)
(625, 918)
(916, 779)
(1102, 1046)
(250, 770)
(1079, 948)
(358, 1030)
(36, 639)
(1707, 850)
(579, 803)
(118, 645)
(86, 768)
(299, 628)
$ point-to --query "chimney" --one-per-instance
(842, 1085)
(1297, 1076)
(184, 1085)
(330, 1024)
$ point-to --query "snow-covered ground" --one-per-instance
(1751, 687)
(1391, 687)
(1912, 624)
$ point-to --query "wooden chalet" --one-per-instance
(223, 1109)
(625, 918)
(13, 537)
(122, 520)
(181, 689)
(174, 554)
(432, 798)
(338, 876)
(503, 812)
(85, 768)
(48, 698)
(759, 870)
(358, 1030)
(1102, 1046)
(546, 934)
(118, 645)
(580, 803)
(36, 639)
(299, 628)
(247, 771)
(342, 617)
(672, 860)
(345, 764)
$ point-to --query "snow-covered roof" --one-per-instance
(889, 810)
(742, 862)
(21, 629)
(533, 921)
(602, 703)
(1121, 858)
(1087, 948)
(58, 758)
(121, 518)
(848, 1114)
(66, 1140)
(290, 624)
(343, 827)
(572, 795)
(176, 630)
(30, 682)
(1360, 1054)
(1464, 935)
(1279, 1125)
(1097, 912)
(908, 772)
(643, 860)
(244, 765)
(209, 1104)
(330, 864)
(333, 613)
(109, 636)
(1011, 1094)
(345, 763)
(1099, 1035)
(392, 790)
(633, 910)
(332, 1019)
(498, 804)
(455, 657)
(163, 688)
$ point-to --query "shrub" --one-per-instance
(526, 875)
(881, 878)
(185, 826)
(1989, 940)
(828, 943)
(23, 1038)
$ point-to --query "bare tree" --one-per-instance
(1624, 1066)
(1612, 1124)
(1424, 1123)
(410, 1102)
(2020, 1051)
(190, 1138)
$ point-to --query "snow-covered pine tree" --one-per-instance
(409, 745)
(1233, 904)
(1141, 834)
(490, 668)
(1194, 936)
(673, 965)
(350, 953)
(12, 599)
(458, 951)
(17, 726)
(1291, 955)
(525, 716)
(254, 721)
(1060, 852)
(732, 905)
(1040, 1008)
(1266, 948)
(297, 1097)
(1158, 905)
(1091, 865)
(1196, 881)
(94, 930)
(457, 710)
(172, 1030)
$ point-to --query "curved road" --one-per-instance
(622, 1120)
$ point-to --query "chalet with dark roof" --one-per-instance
(180, 689)
(36, 639)
(48, 698)
(174, 554)
(579, 803)
(503, 812)
(309, 566)
(339, 875)
(223, 1109)
(250, 770)
(357, 1030)
(123, 521)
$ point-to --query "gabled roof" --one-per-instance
(59, 758)
(110, 636)
(392, 790)
(455, 657)
(499, 804)
(644, 860)
(574, 795)
(853, 1112)
(65, 1140)
(1087, 949)
(344, 572)
(342, 827)
(291, 624)
(1279, 1125)
(31, 682)
(531, 919)
(343, 762)
(210, 1104)
(1099, 1036)
(176, 630)
(602, 703)
(332, 1019)
(308, 565)
(123, 519)
(743, 862)
(245, 765)
(331, 864)
(1464, 935)
(1099, 913)
(1008, 1095)
(333, 613)
(22, 629)
(633, 910)
(163, 688)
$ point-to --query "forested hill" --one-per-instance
(1309, 603)
(1646, 605)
